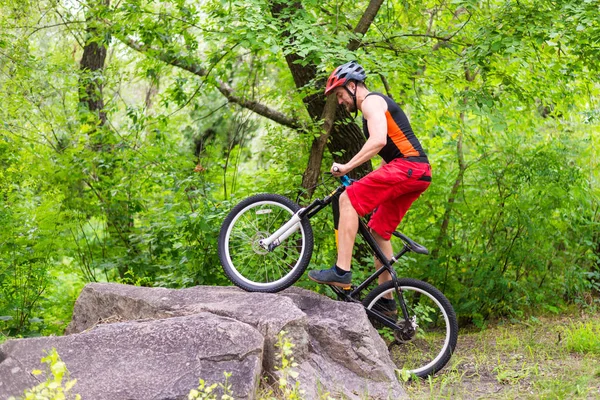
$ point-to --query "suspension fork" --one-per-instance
(293, 224)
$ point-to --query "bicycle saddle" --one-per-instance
(411, 244)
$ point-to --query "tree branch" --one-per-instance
(388, 91)
(326, 110)
(192, 66)
(313, 168)
(365, 22)
(440, 39)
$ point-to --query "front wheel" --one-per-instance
(424, 344)
(246, 262)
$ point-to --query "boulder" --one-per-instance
(268, 313)
(346, 354)
(336, 348)
(158, 359)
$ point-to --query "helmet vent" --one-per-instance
(342, 75)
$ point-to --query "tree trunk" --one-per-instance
(596, 241)
(91, 66)
(441, 241)
(345, 137)
(462, 167)
(118, 216)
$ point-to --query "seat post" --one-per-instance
(395, 258)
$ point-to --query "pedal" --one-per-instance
(342, 291)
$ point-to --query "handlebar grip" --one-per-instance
(346, 181)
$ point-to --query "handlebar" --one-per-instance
(345, 179)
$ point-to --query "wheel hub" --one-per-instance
(256, 243)
(407, 331)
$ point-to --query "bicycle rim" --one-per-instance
(427, 349)
(254, 267)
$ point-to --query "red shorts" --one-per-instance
(390, 191)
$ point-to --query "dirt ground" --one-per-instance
(526, 360)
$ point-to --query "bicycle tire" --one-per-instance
(256, 218)
(421, 299)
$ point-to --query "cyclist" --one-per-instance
(388, 191)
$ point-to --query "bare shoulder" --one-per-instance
(373, 106)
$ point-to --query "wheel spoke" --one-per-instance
(248, 263)
(422, 345)
(276, 218)
(249, 221)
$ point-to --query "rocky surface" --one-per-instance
(219, 329)
(160, 359)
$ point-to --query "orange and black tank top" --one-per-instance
(401, 140)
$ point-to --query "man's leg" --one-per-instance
(339, 274)
(388, 251)
(347, 229)
(366, 194)
(387, 218)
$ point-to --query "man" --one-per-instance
(390, 190)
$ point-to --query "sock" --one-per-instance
(387, 302)
(340, 271)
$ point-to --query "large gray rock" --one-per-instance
(336, 348)
(345, 355)
(161, 359)
(268, 313)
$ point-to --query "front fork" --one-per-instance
(293, 224)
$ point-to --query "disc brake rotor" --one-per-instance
(407, 331)
(256, 247)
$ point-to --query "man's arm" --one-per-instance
(373, 109)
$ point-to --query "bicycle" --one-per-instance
(266, 243)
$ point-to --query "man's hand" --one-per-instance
(339, 169)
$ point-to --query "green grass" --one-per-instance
(545, 358)
(583, 337)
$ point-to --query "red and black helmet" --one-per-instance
(344, 74)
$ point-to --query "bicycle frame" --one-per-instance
(311, 210)
(266, 243)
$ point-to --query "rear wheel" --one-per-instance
(246, 262)
(424, 344)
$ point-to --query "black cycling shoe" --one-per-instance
(386, 307)
(331, 277)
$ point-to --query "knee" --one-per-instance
(375, 235)
(345, 200)
(345, 203)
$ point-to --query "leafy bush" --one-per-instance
(207, 392)
(57, 386)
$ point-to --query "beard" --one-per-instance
(350, 107)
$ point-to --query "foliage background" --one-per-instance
(503, 95)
